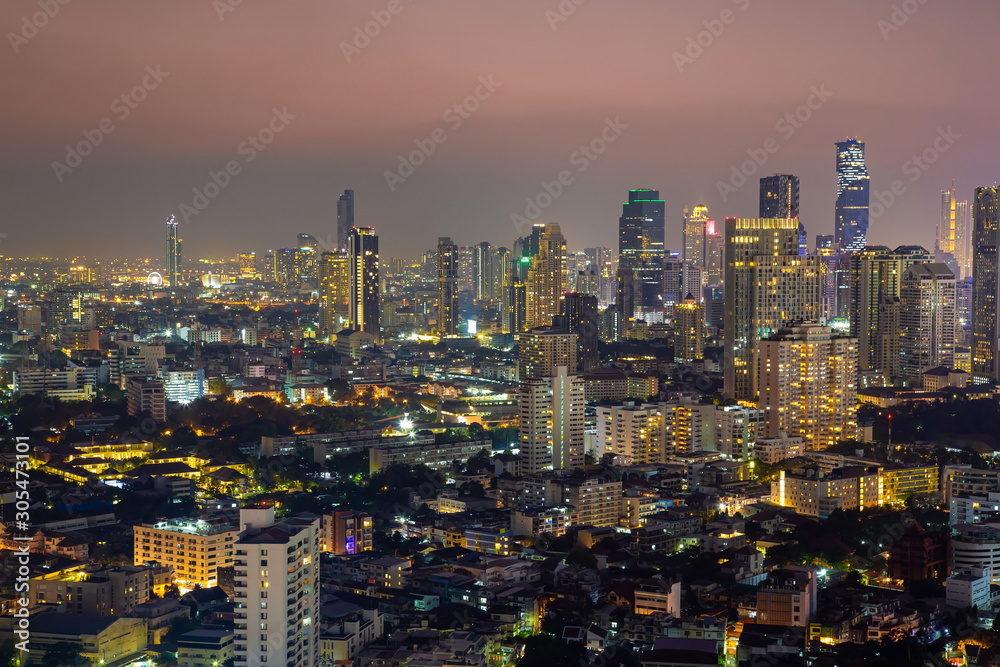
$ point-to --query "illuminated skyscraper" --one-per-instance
(852, 196)
(365, 301)
(694, 235)
(640, 254)
(985, 287)
(715, 254)
(926, 320)
(875, 275)
(779, 198)
(447, 287)
(954, 234)
(345, 218)
(247, 262)
(767, 285)
(483, 279)
(546, 277)
(579, 315)
(334, 290)
(689, 327)
(173, 277)
(551, 431)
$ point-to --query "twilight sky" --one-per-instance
(895, 80)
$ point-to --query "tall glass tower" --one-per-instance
(640, 254)
(779, 198)
(985, 286)
(345, 218)
(851, 224)
(173, 277)
(365, 302)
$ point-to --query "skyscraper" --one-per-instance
(542, 349)
(483, 281)
(579, 315)
(640, 254)
(546, 277)
(689, 327)
(767, 284)
(963, 240)
(779, 198)
(365, 301)
(875, 275)
(447, 287)
(953, 243)
(551, 430)
(334, 290)
(852, 196)
(985, 287)
(926, 320)
(345, 218)
(694, 235)
(715, 254)
(173, 277)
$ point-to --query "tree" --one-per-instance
(63, 654)
(549, 651)
(581, 556)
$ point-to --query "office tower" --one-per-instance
(334, 291)
(306, 266)
(173, 277)
(483, 269)
(852, 196)
(345, 219)
(467, 270)
(247, 262)
(517, 307)
(502, 258)
(715, 254)
(946, 239)
(640, 254)
(66, 307)
(963, 239)
(146, 396)
(926, 320)
(694, 235)
(305, 241)
(985, 288)
(546, 277)
(767, 284)
(963, 303)
(587, 282)
(447, 287)
(579, 315)
(689, 328)
(551, 430)
(634, 434)
(542, 349)
(279, 624)
(673, 285)
(875, 274)
(365, 301)
(808, 384)
(714, 305)
(779, 198)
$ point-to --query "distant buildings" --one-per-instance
(345, 219)
(447, 287)
(146, 396)
(173, 277)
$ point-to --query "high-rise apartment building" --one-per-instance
(808, 384)
(345, 219)
(551, 431)
(633, 433)
(173, 277)
(447, 287)
(926, 320)
(767, 284)
(985, 287)
(277, 590)
(334, 291)
(640, 254)
(542, 349)
(875, 275)
(546, 277)
(851, 212)
(483, 273)
(365, 300)
(689, 328)
(195, 548)
(347, 532)
(715, 254)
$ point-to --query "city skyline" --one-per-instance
(162, 150)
